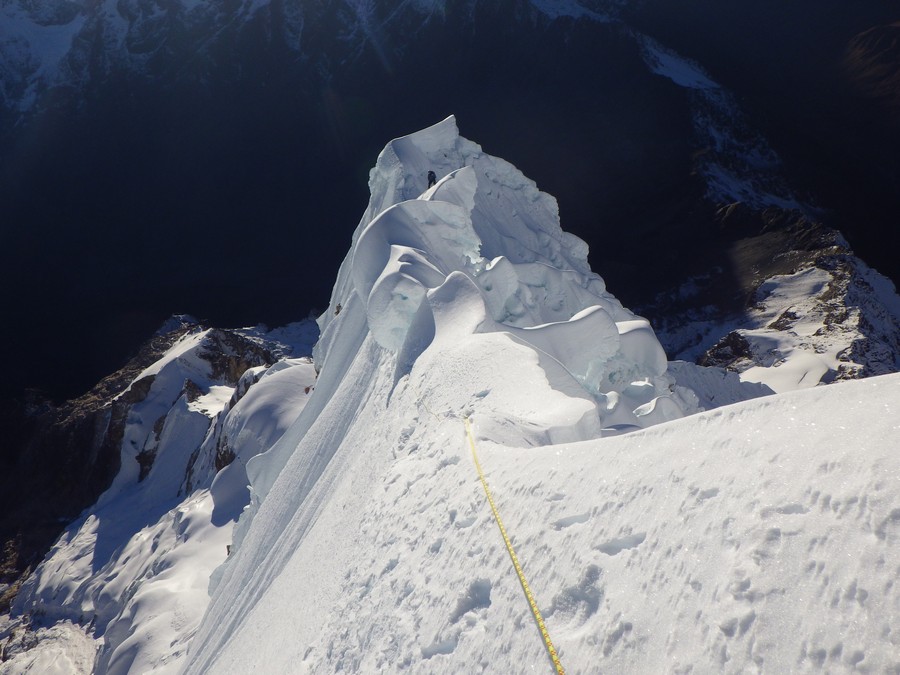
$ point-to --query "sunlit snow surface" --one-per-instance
(134, 569)
(761, 537)
(758, 537)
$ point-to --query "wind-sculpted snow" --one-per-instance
(756, 538)
(487, 221)
(133, 570)
(459, 298)
(367, 544)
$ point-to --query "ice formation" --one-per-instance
(487, 226)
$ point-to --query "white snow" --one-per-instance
(736, 161)
(758, 537)
(699, 544)
(65, 649)
(682, 71)
(798, 368)
(805, 328)
(135, 568)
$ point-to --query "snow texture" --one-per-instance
(833, 319)
(757, 537)
(699, 544)
(133, 571)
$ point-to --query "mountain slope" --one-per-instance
(369, 545)
(125, 582)
(753, 538)
(168, 131)
(365, 541)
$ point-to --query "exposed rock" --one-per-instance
(64, 457)
(67, 454)
(224, 455)
(727, 352)
(845, 313)
(230, 354)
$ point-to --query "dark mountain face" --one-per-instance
(224, 177)
(872, 63)
(820, 81)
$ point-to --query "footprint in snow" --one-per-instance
(477, 596)
(574, 605)
(616, 546)
(568, 521)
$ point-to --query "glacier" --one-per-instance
(668, 517)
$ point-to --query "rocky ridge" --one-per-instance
(813, 297)
(71, 452)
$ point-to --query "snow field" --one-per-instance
(759, 537)
(699, 544)
(65, 649)
(754, 538)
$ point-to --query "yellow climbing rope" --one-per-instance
(551, 650)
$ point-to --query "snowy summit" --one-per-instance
(370, 546)
(656, 534)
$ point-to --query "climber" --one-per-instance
(432, 179)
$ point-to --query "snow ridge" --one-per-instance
(486, 225)
(129, 577)
(445, 289)
(368, 546)
(364, 543)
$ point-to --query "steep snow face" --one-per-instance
(130, 576)
(757, 537)
(486, 235)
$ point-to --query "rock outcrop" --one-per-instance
(64, 456)
(811, 298)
